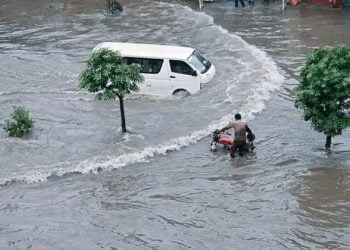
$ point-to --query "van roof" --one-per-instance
(148, 50)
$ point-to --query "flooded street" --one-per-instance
(77, 183)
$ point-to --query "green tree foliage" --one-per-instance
(20, 122)
(324, 90)
(109, 77)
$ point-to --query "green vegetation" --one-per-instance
(324, 90)
(20, 122)
(109, 77)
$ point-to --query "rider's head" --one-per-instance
(238, 116)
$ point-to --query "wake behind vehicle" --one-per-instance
(167, 70)
(225, 139)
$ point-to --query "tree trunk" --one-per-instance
(122, 114)
(65, 4)
(328, 141)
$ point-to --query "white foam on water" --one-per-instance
(270, 81)
(40, 92)
(5, 93)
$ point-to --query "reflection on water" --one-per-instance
(324, 197)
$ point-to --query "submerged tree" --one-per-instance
(324, 90)
(113, 6)
(65, 4)
(20, 122)
(109, 77)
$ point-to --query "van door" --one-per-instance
(155, 72)
(182, 76)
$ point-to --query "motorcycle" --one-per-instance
(225, 139)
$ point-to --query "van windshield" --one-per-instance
(199, 62)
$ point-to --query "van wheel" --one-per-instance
(181, 93)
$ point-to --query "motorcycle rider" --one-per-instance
(240, 139)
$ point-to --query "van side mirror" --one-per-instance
(194, 73)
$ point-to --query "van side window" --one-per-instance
(148, 66)
(180, 67)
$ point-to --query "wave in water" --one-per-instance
(270, 81)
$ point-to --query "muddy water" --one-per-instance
(77, 183)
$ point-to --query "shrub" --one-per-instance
(20, 122)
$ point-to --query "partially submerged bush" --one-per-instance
(20, 122)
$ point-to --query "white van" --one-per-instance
(167, 69)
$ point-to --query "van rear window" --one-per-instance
(148, 66)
